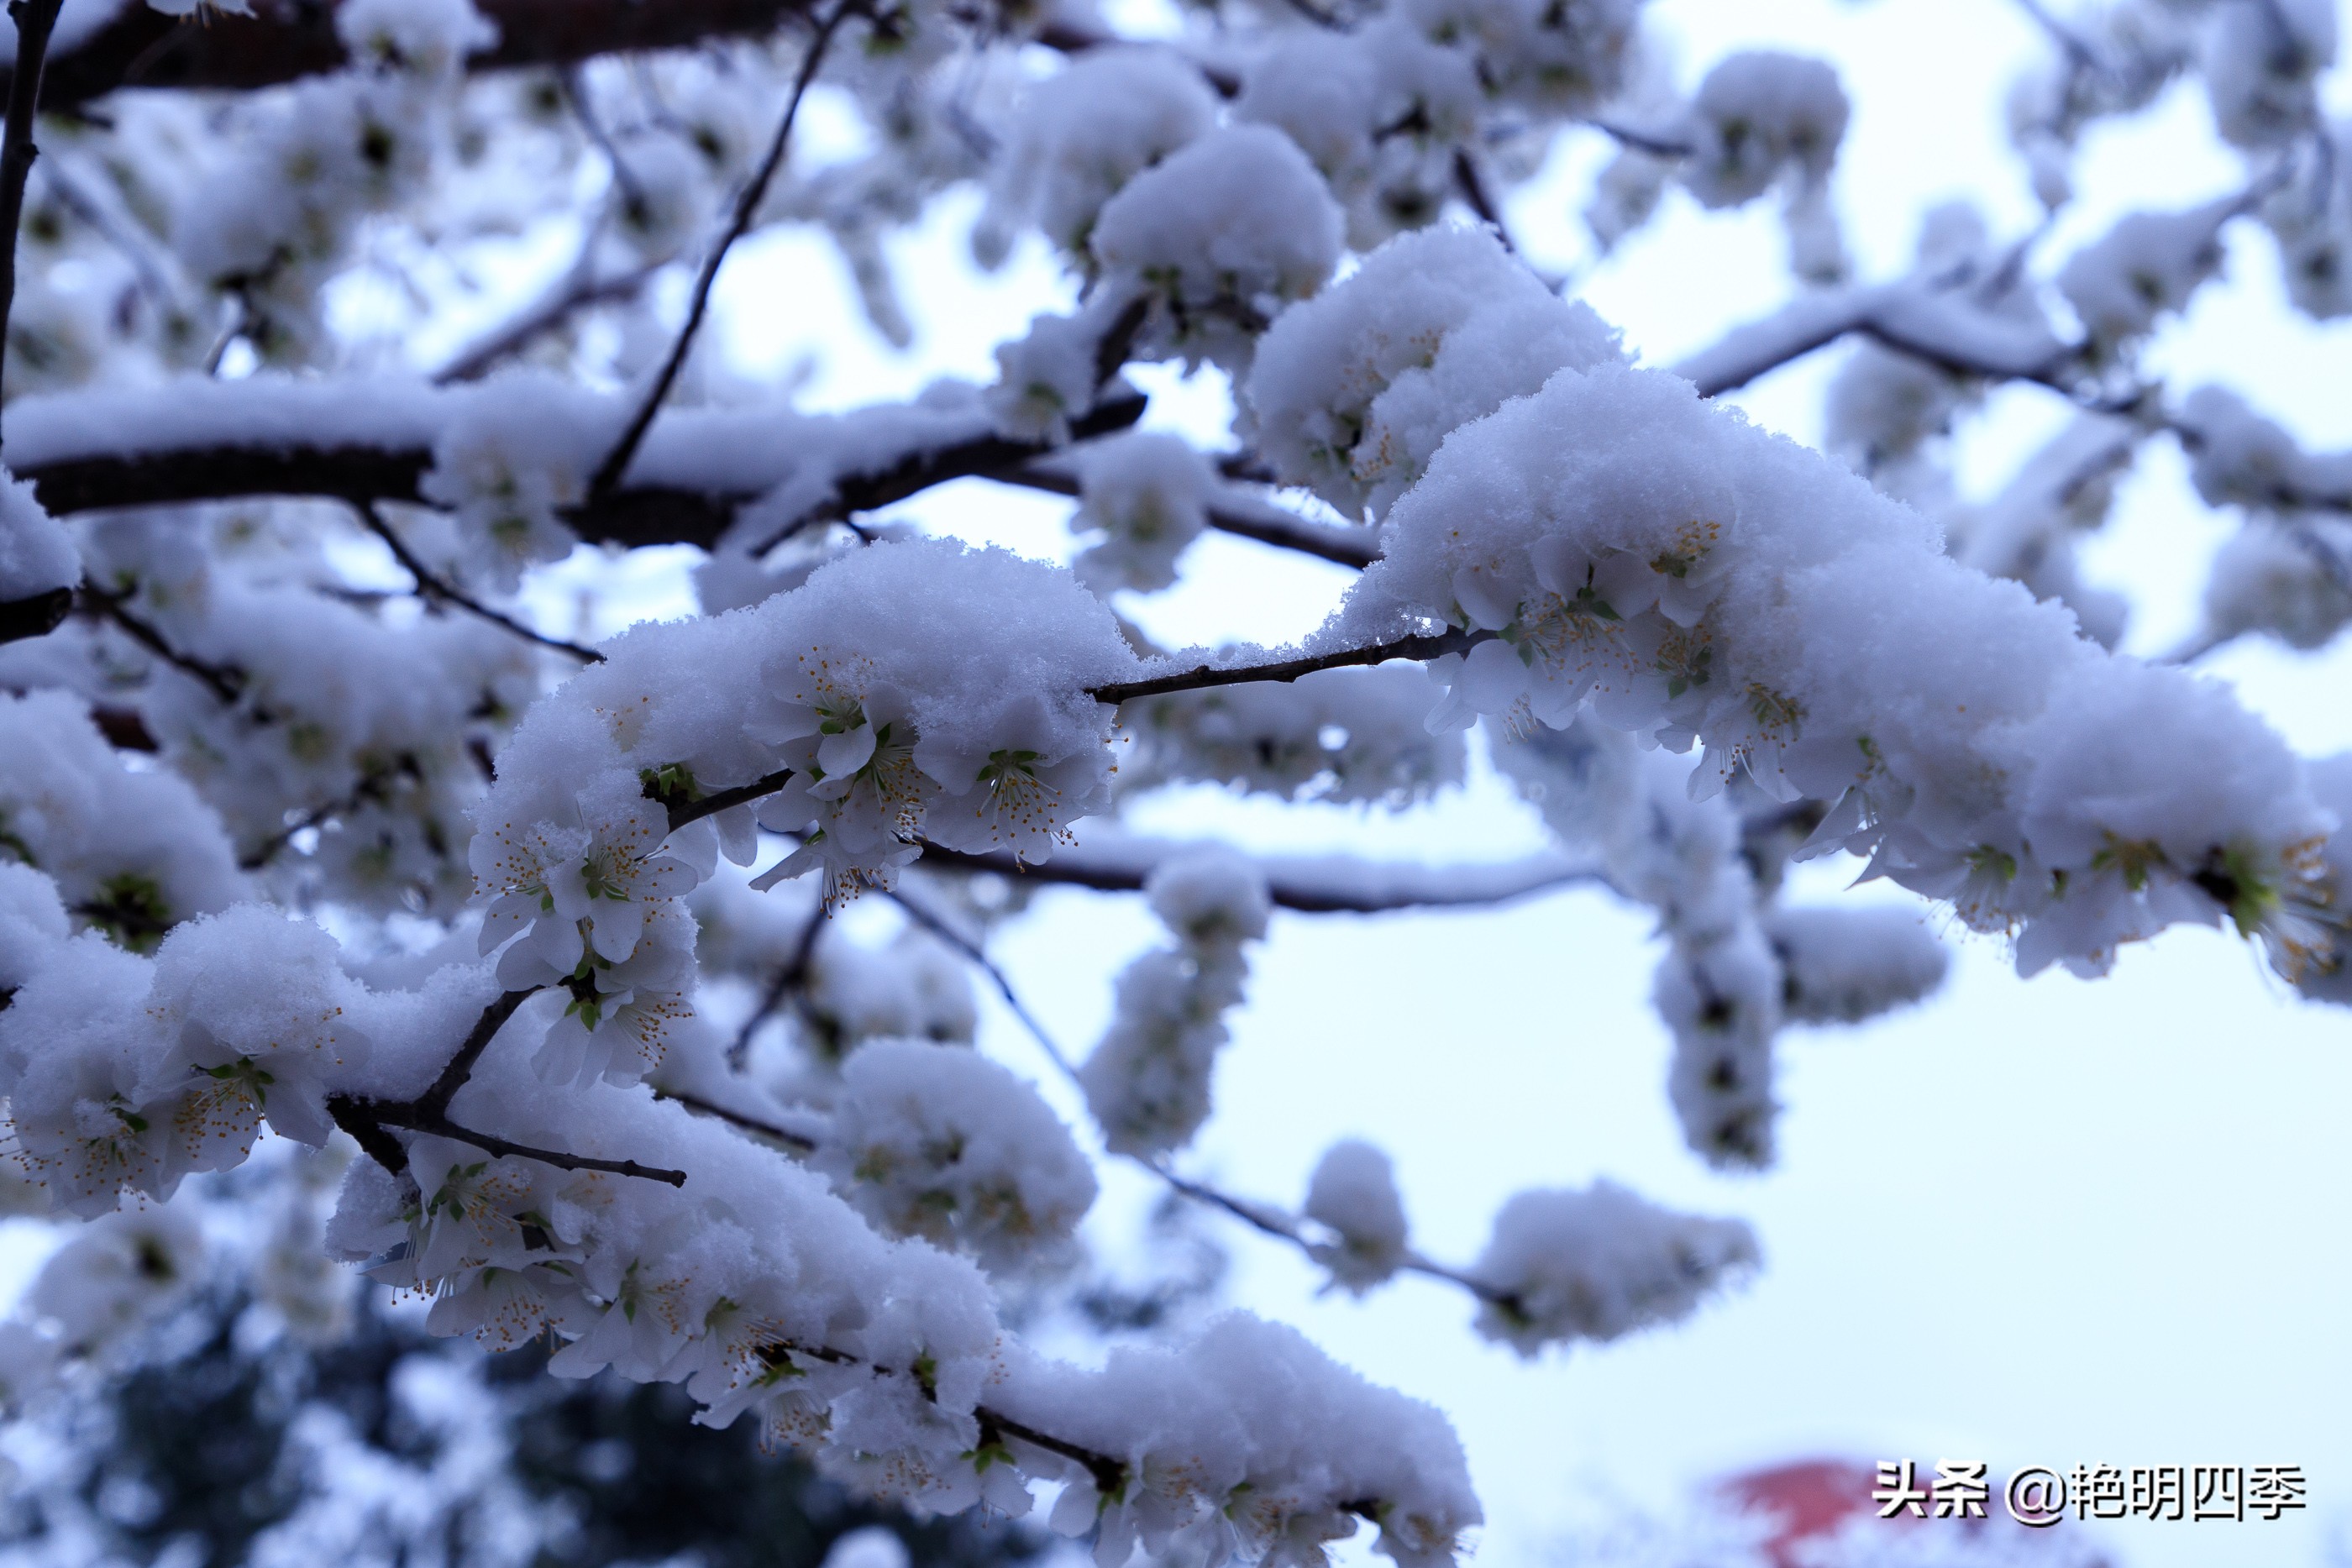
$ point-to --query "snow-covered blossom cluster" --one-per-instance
(1147, 1081)
(1738, 965)
(1598, 1263)
(1612, 543)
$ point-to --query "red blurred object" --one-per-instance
(1808, 1500)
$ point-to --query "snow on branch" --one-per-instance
(143, 48)
(403, 441)
(1913, 316)
(1112, 862)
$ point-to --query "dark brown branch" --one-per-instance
(1203, 676)
(747, 205)
(633, 516)
(288, 39)
(34, 18)
(1339, 543)
(491, 1144)
(1639, 140)
(432, 587)
(1108, 1475)
(357, 1118)
(367, 1120)
(125, 728)
(1472, 186)
(434, 1102)
(227, 472)
(694, 808)
(790, 977)
(36, 616)
(982, 457)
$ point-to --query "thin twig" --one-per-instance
(800, 1141)
(581, 292)
(1343, 544)
(1473, 186)
(436, 589)
(225, 681)
(946, 931)
(130, 245)
(366, 1120)
(1202, 676)
(1264, 1217)
(575, 93)
(369, 790)
(790, 977)
(491, 1144)
(1651, 142)
(747, 205)
(34, 18)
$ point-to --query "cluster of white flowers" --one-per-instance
(291, 713)
(273, 223)
(1257, 1447)
(937, 1141)
(2147, 265)
(1737, 965)
(2261, 61)
(505, 467)
(1147, 1081)
(2311, 219)
(1353, 1195)
(1842, 966)
(1599, 1263)
(1086, 131)
(131, 854)
(975, 733)
(1887, 413)
(124, 1070)
(2031, 531)
(1759, 112)
(1147, 493)
(1353, 397)
(1719, 986)
(1216, 239)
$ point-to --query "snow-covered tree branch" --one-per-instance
(314, 829)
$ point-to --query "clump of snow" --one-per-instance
(1147, 1081)
(1600, 1263)
(1217, 238)
(1353, 1194)
(939, 1142)
(1352, 393)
